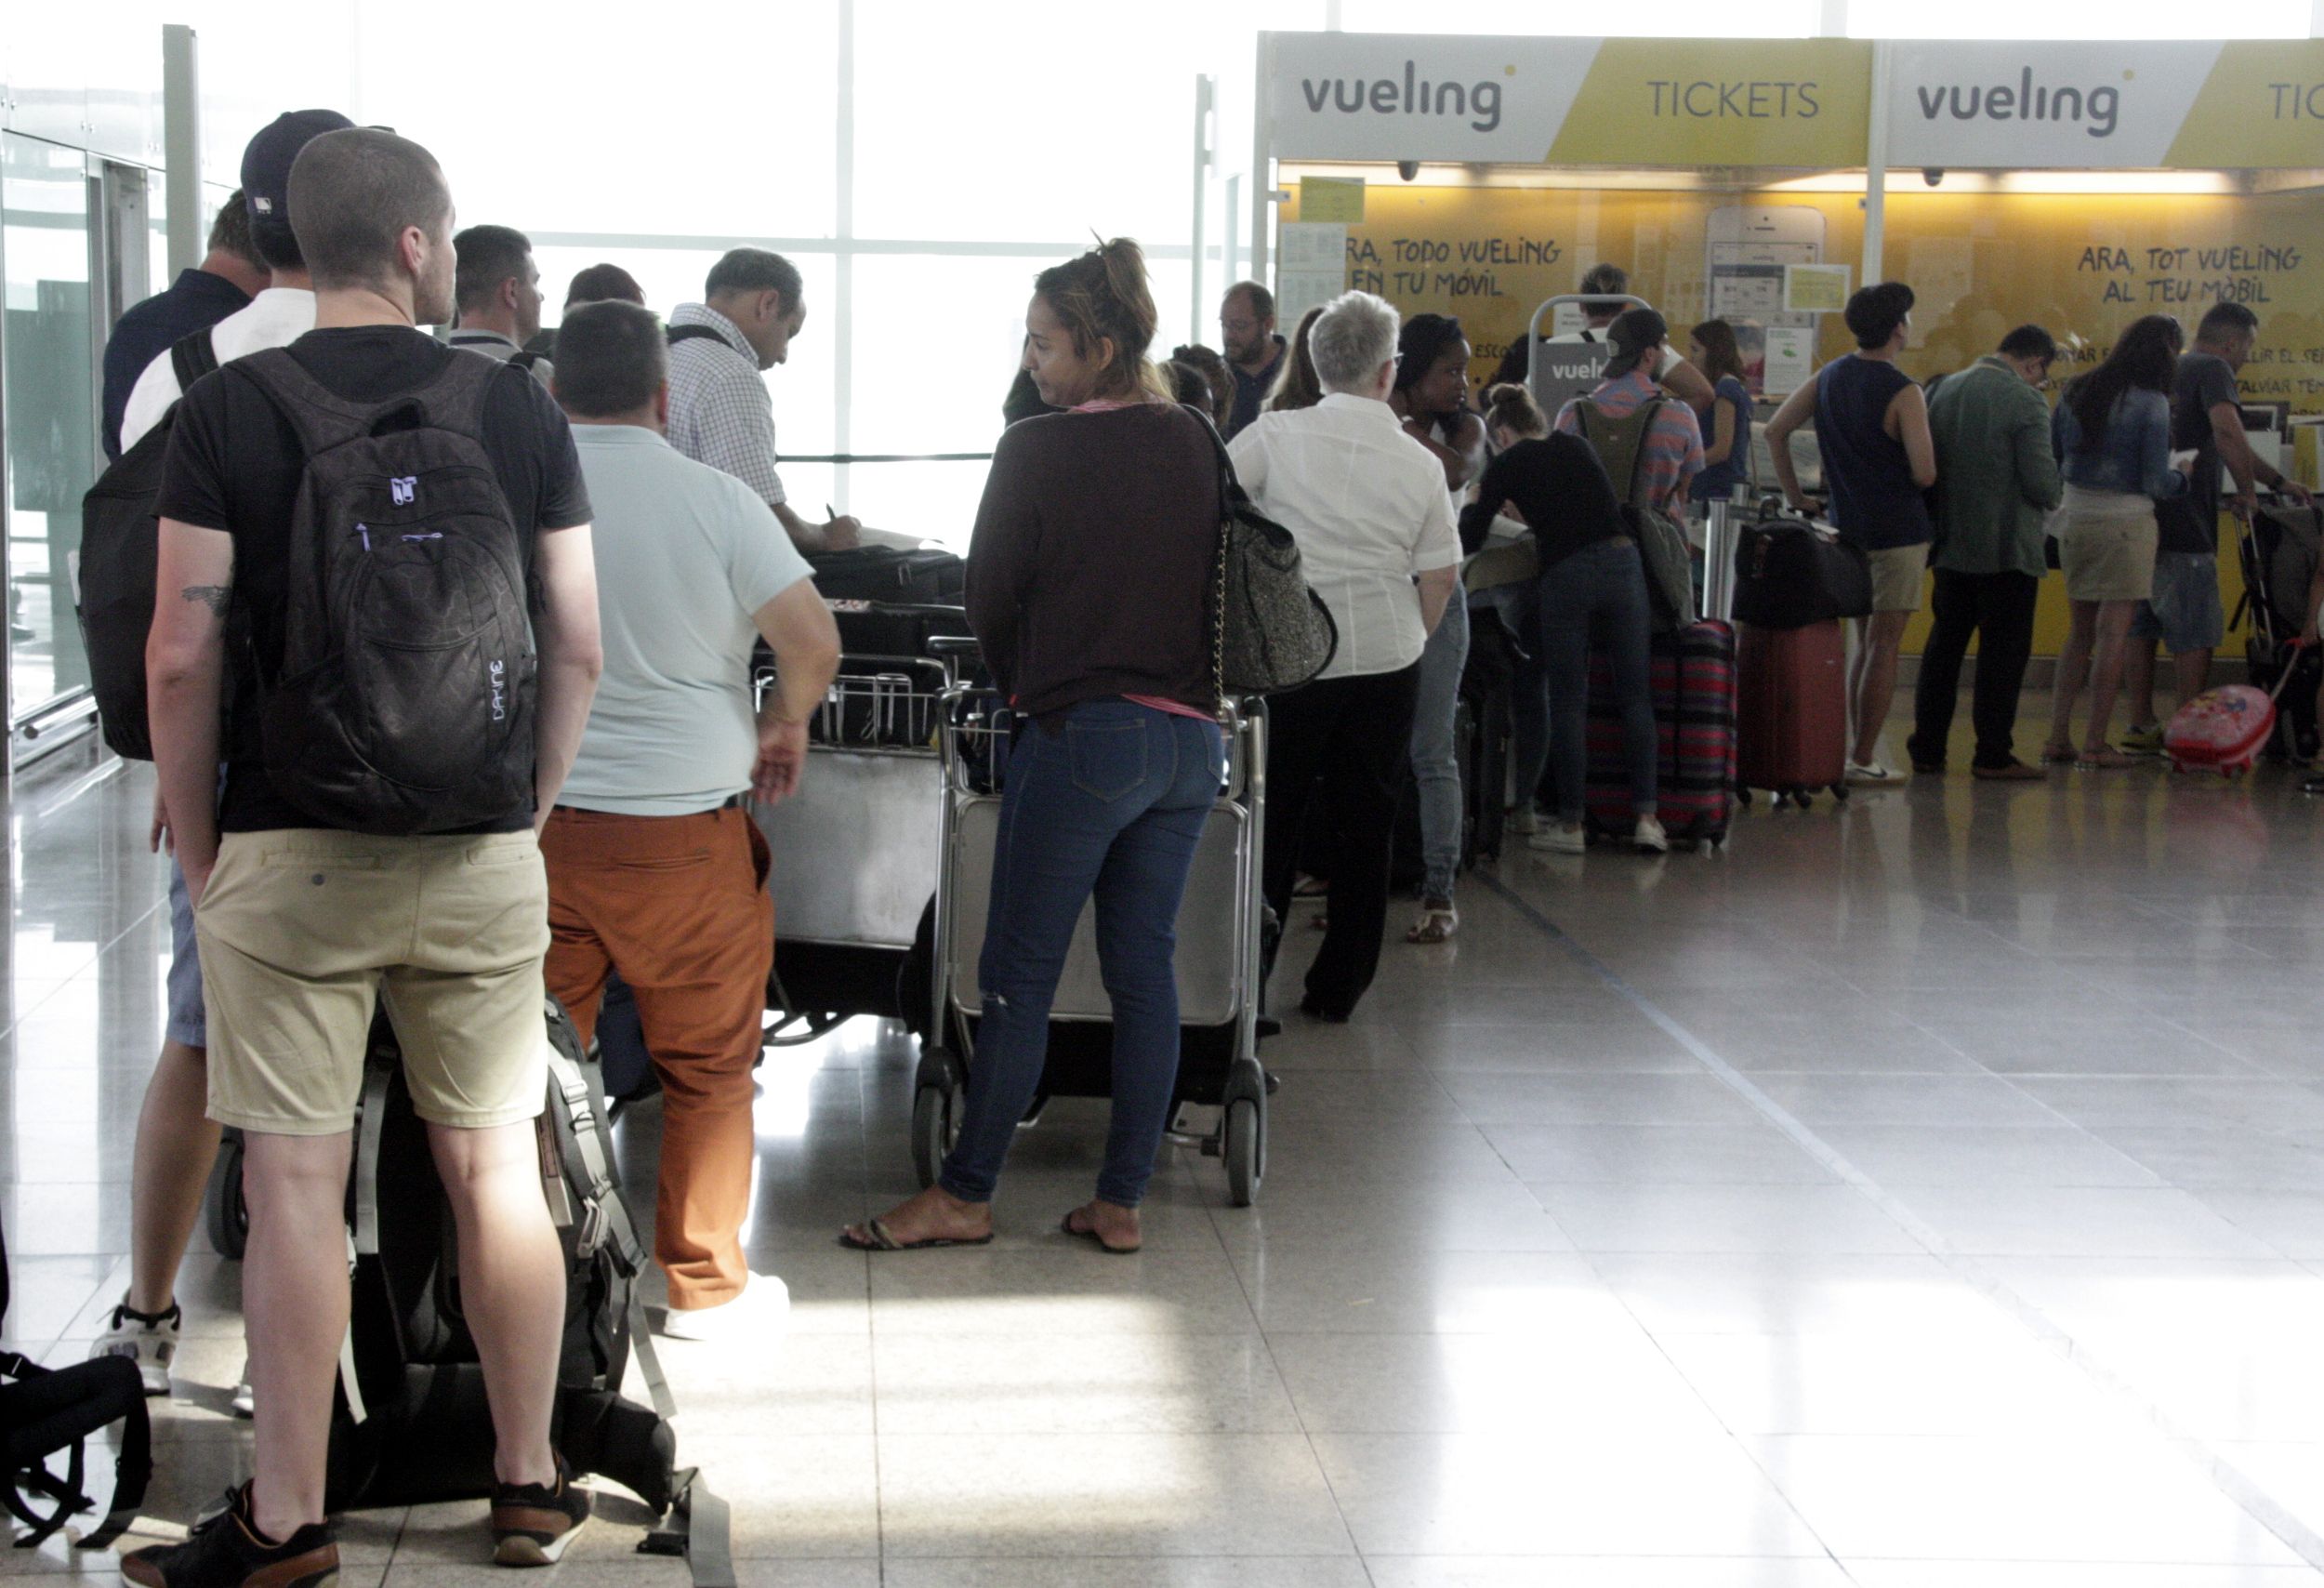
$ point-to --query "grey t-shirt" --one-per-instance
(685, 556)
(2191, 523)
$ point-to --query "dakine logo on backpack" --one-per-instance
(406, 700)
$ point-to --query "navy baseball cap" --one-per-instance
(266, 161)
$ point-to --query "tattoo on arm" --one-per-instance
(212, 596)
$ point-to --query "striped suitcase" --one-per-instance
(1694, 696)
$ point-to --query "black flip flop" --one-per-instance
(1092, 1235)
(882, 1241)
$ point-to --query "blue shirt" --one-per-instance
(1874, 501)
(195, 301)
(1718, 480)
(2131, 457)
(1250, 391)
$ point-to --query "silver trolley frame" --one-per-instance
(857, 845)
(1218, 959)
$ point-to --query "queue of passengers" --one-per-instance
(1094, 551)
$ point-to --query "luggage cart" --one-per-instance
(1217, 962)
(856, 847)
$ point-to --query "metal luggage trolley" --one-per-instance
(1216, 961)
(856, 846)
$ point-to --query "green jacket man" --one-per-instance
(1997, 482)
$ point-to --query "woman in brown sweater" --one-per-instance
(1095, 549)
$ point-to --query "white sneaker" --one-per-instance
(1869, 771)
(1558, 838)
(242, 1403)
(1523, 820)
(1650, 837)
(148, 1339)
(764, 1307)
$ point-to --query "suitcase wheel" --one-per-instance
(227, 1214)
(1840, 791)
(937, 1092)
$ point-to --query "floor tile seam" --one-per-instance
(17, 1017)
(1307, 1435)
(2232, 1482)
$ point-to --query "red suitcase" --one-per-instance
(1792, 709)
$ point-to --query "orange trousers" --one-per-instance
(679, 905)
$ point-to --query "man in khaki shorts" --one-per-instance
(302, 925)
(1872, 427)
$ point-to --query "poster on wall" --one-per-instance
(1310, 269)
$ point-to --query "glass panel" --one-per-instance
(51, 407)
(945, 148)
(556, 124)
(937, 501)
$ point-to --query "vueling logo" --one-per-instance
(1413, 98)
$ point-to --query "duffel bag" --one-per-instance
(1790, 573)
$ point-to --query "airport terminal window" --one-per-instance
(51, 403)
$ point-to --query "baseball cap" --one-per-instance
(1635, 330)
(266, 161)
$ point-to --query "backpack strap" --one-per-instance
(585, 1134)
(678, 333)
(452, 401)
(193, 356)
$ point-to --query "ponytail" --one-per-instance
(1103, 296)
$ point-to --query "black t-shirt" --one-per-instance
(1559, 485)
(2191, 523)
(234, 464)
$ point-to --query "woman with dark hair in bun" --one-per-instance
(1094, 551)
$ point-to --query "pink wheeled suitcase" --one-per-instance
(2223, 730)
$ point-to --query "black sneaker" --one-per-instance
(226, 1552)
(534, 1522)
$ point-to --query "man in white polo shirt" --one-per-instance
(1368, 505)
(655, 869)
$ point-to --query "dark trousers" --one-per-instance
(1999, 609)
(1355, 734)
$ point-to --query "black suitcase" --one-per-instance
(1790, 573)
(889, 574)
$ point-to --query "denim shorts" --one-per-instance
(186, 1022)
(2183, 613)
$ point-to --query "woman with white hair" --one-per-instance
(1368, 506)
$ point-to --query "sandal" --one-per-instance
(2105, 758)
(1437, 922)
(2056, 754)
(1310, 887)
(882, 1241)
(1092, 1235)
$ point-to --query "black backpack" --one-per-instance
(406, 695)
(410, 1425)
(120, 544)
(45, 1412)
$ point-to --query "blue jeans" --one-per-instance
(1435, 759)
(1105, 798)
(1601, 589)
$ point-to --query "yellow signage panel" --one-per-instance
(1720, 102)
(1816, 289)
(1332, 199)
(2261, 105)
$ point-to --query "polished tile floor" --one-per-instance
(1924, 1193)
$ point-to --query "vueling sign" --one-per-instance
(1416, 96)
